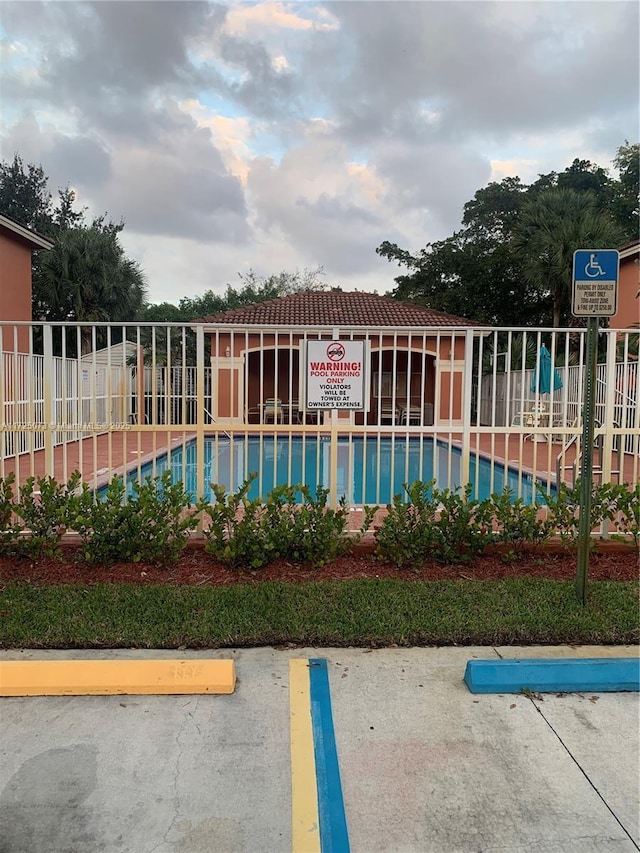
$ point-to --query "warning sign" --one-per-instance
(335, 375)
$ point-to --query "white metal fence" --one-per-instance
(218, 403)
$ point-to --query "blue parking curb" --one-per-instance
(553, 675)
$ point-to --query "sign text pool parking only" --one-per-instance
(595, 283)
(335, 375)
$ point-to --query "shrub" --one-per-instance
(251, 533)
(464, 527)
(9, 526)
(626, 515)
(237, 534)
(563, 516)
(319, 534)
(444, 524)
(517, 523)
(44, 513)
(153, 525)
(406, 535)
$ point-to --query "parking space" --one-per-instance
(424, 764)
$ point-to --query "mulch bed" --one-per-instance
(612, 562)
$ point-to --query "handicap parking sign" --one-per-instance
(595, 282)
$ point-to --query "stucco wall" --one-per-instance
(628, 313)
(15, 289)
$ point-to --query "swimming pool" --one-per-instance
(370, 470)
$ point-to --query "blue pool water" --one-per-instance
(369, 471)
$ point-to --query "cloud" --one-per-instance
(287, 134)
(322, 204)
(256, 17)
(484, 67)
(91, 162)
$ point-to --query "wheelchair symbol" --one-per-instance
(593, 268)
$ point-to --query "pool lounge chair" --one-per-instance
(272, 410)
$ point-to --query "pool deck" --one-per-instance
(100, 457)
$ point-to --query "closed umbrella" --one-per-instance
(543, 375)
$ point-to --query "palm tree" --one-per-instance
(87, 277)
(552, 226)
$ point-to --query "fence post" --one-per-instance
(609, 412)
(200, 458)
(466, 407)
(48, 414)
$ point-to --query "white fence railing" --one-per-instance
(218, 403)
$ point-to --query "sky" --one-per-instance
(273, 136)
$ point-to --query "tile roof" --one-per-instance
(336, 308)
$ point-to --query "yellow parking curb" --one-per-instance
(305, 820)
(105, 677)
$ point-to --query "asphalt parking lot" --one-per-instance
(425, 765)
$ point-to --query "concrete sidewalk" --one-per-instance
(425, 765)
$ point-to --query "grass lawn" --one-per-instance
(366, 612)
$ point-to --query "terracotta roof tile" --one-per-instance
(335, 308)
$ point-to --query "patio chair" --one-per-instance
(536, 416)
(388, 412)
(272, 410)
(294, 415)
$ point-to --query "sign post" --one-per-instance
(594, 295)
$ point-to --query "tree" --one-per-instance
(24, 196)
(87, 278)
(474, 273)
(553, 224)
(254, 289)
(478, 273)
(626, 196)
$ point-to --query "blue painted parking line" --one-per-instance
(334, 836)
(319, 823)
(553, 675)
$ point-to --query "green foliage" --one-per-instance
(293, 524)
(86, 275)
(252, 534)
(450, 526)
(237, 534)
(552, 225)
(626, 199)
(480, 273)
(464, 527)
(626, 515)
(44, 513)
(317, 533)
(153, 525)
(443, 524)
(406, 534)
(563, 509)
(9, 526)
(517, 523)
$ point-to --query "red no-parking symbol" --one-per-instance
(335, 351)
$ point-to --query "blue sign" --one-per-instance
(595, 282)
(595, 265)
